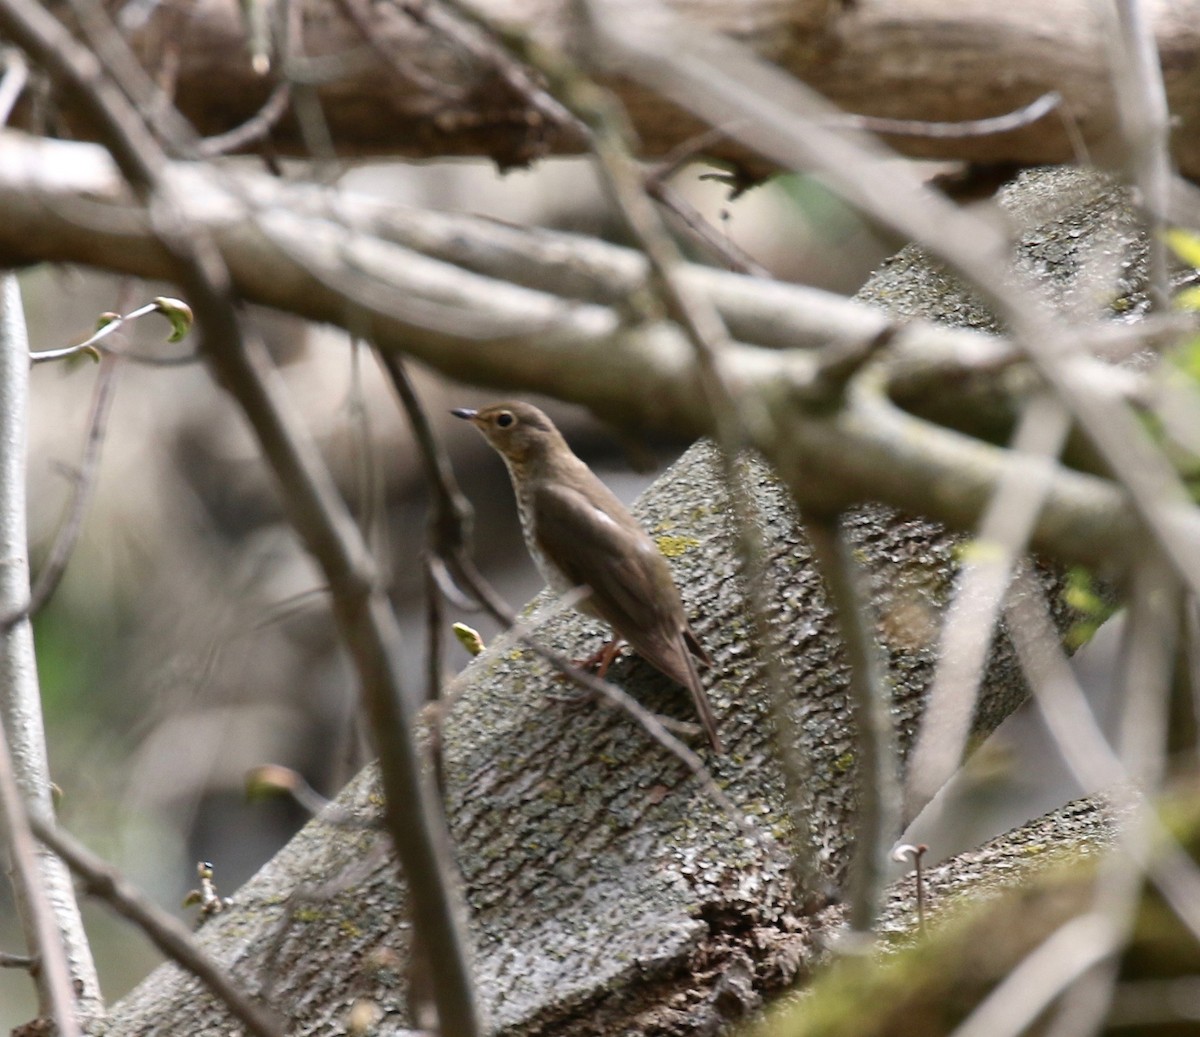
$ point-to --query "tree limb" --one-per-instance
(285, 247)
(872, 59)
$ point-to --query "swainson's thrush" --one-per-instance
(580, 535)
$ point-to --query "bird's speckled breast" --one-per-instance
(553, 576)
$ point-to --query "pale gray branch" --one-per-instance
(42, 886)
(64, 202)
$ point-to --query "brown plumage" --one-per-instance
(581, 535)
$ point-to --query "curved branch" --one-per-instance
(284, 247)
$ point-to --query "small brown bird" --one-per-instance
(580, 535)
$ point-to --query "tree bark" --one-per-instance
(420, 92)
(604, 885)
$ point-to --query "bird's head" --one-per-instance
(519, 432)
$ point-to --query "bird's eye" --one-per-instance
(504, 419)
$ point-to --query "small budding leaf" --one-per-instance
(105, 319)
(178, 312)
(269, 780)
(1185, 244)
(79, 355)
(1188, 299)
(469, 638)
(1082, 595)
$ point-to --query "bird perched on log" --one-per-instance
(581, 535)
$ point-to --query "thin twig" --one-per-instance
(172, 309)
(684, 152)
(878, 769)
(482, 46)
(365, 618)
(1145, 128)
(980, 586)
(12, 85)
(1027, 114)
(16, 961)
(254, 129)
(55, 987)
(1152, 632)
(732, 256)
(165, 931)
(435, 618)
(451, 515)
(82, 485)
(358, 12)
(370, 505)
(123, 68)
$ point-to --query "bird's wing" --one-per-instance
(616, 561)
(593, 549)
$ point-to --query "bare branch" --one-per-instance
(84, 480)
(55, 989)
(16, 74)
(878, 765)
(1036, 109)
(767, 110)
(45, 900)
(165, 931)
(967, 631)
(365, 618)
(251, 131)
(1145, 126)
(16, 961)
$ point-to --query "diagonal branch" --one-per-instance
(165, 931)
(367, 623)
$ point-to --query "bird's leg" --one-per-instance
(600, 661)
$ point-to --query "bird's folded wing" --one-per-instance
(621, 566)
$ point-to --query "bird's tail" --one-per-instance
(700, 699)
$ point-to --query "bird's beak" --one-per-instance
(465, 412)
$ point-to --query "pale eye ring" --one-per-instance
(504, 419)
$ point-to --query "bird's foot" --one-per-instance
(601, 659)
